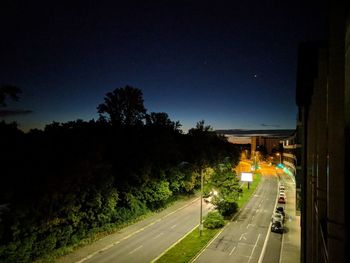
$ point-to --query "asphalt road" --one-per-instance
(149, 243)
(274, 243)
(243, 239)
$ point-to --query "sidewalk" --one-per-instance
(106, 242)
(290, 249)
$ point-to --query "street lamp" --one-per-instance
(201, 199)
(278, 154)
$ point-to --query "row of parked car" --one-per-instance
(279, 215)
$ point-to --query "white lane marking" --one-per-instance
(217, 235)
(250, 225)
(243, 236)
(172, 227)
(173, 245)
(262, 254)
(250, 257)
(158, 235)
(281, 249)
(135, 249)
(137, 231)
(233, 249)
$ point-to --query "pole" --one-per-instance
(201, 207)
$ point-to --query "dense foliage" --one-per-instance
(214, 220)
(76, 178)
(226, 182)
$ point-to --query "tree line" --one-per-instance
(70, 180)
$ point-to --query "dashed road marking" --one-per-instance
(132, 251)
(243, 237)
(250, 225)
(137, 231)
(158, 235)
(233, 249)
(250, 257)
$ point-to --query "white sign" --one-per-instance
(247, 177)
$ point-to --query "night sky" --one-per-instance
(231, 63)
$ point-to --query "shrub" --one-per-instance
(214, 220)
(227, 208)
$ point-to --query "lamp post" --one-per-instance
(278, 154)
(201, 200)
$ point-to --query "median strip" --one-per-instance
(190, 247)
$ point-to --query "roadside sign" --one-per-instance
(247, 177)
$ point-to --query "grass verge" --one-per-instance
(188, 247)
(247, 193)
(192, 244)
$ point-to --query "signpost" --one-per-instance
(247, 177)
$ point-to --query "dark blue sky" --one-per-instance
(231, 63)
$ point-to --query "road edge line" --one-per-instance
(207, 245)
(133, 233)
(173, 245)
(282, 245)
(217, 235)
(281, 249)
(262, 254)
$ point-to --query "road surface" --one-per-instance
(153, 240)
(290, 247)
(243, 239)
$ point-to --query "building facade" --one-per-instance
(292, 162)
(323, 99)
(268, 142)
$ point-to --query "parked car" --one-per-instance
(283, 195)
(280, 209)
(282, 187)
(277, 217)
(277, 227)
(281, 200)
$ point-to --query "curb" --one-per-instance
(262, 254)
(216, 236)
(173, 245)
(135, 232)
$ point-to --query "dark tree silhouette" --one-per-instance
(162, 120)
(77, 178)
(159, 119)
(201, 128)
(124, 107)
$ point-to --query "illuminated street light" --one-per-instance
(278, 154)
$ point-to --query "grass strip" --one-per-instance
(247, 193)
(192, 244)
(189, 247)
